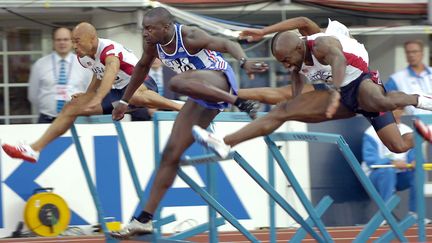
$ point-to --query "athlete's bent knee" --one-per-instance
(176, 84)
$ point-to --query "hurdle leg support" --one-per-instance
(297, 188)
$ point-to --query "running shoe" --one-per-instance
(424, 102)
(22, 151)
(210, 140)
(423, 130)
(250, 107)
(133, 228)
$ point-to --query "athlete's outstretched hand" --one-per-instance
(119, 111)
(333, 103)
(251, 35)
(252, 67)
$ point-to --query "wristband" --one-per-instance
(123, 102)
(242, 62)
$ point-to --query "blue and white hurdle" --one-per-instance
(267, 187)
(397, 229)
(104, 119)
(314, 213)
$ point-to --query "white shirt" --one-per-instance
(111, 48)
(356, 56)
(43, 80)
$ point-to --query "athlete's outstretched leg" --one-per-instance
(271, 96)
(65, 119)
(307, 107)
(59, 126)
(144, 97)
(372, 98)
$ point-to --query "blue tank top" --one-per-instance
(181, 60)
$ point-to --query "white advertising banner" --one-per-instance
(59, 167)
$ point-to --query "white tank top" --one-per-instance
(356, 56)
(111, 48)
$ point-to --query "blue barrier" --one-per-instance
(238, 117)
(355, 166)
(104, 119)
(419, 179)
(314, 213)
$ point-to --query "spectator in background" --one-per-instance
(55, 77)
(389, 180)
(414, 79)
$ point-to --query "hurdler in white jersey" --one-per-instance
(93, 54)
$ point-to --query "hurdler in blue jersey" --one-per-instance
(203, 75)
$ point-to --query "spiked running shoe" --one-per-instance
(210, 140)
(133, 228)
(423, 130)
(250, 107)
(22, 151)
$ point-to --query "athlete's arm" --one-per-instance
(112, 67)
(328, 51)
(197, 39)
(304, 25)
(140, 71)
(94, 85)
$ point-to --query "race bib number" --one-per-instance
(179, 65)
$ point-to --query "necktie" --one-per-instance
(61, 80)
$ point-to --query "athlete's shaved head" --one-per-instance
(84, 38)
(286, 41)
(161, 14)
(85, 29)
(289, 49)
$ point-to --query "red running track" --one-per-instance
(339, 234)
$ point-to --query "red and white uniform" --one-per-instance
(111, 48)
(357, 60)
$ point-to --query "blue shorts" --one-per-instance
(117, 94)
(349, 95)
(230, 76)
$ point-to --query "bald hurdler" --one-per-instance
(112, 66)
(342, 63)
(305, 27)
